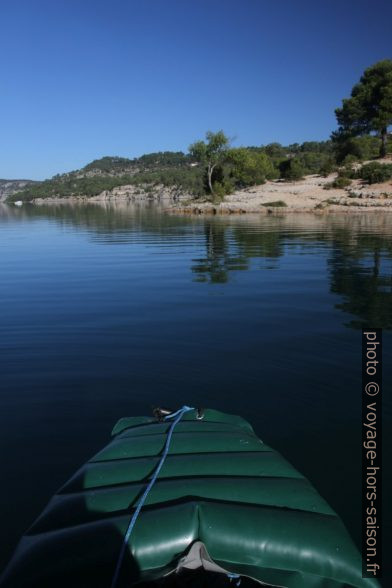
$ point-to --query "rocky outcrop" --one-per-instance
(158, 193)
(9, 187)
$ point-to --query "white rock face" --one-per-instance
(9, 187)
(136, 193)
(130, 193)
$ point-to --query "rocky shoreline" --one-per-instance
(274, 197)
(130, 193)
(307, 195)
(208, 210)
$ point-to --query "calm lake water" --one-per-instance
(108, 311)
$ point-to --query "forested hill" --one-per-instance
(151, 161)
(168, 168)
(243, 167)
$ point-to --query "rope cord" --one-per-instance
(177, 417)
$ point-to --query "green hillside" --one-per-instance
(242, 167)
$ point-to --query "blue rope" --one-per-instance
(177, 417)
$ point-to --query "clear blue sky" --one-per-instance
(85, 78)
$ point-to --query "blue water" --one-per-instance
(108, 311)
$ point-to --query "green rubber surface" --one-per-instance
(220, 484)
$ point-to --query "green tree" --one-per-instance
(275, 150)
(249, 168)
(211, 153)
(362, 148)
(369, 109)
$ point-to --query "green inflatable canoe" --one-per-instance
(223, 503)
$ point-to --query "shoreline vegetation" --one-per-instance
(273, 197)
(351, 171)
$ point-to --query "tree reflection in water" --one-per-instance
(362, 276)
(222, 255)
(359, 247)
(359, 265)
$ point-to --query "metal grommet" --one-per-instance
(160, 413)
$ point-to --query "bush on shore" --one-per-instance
(374, 173)
(247, 168)
(291, 170)
(275, 204)
(340, 182)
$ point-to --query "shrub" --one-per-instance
(312, 161)
(375, 172)
(327, 168)
(340, 182)
(291, 170)
(275, 204)
(349, 160)
(249, 168)
(347, 171)
(220, 191)
(275, 150)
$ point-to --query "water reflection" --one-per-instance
(104, 315)
(362, 277)
(220, 257)
(358, 247)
